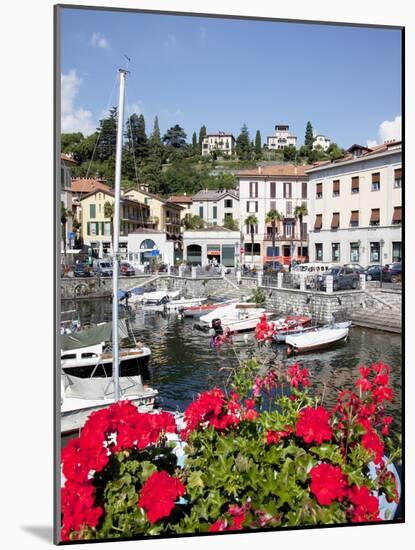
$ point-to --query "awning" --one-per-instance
(213, 252)
(92, 336)
(319, 221)
(336, 186)
(335, 222)
(355, 183)
(397, 214)
(375, 216)
(354, 216)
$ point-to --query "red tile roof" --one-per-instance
(87, 185)
(180, 198)
(276, 170)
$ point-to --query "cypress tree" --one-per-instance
(309, 138)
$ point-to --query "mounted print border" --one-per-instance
(228, 306)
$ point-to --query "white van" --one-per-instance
(102, 268)
(312, 270)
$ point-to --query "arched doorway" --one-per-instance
(194, 254)
(146, 251)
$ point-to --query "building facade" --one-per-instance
(355, 207)
(214, 207)
(279, 187)
(97, 228)
(185, 201)
(221, 142)
(67, 163)
(281, 138)
(323, 141)
(212, 245)
(164, 215)
(147, 245)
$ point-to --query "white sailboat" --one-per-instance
(90, 374)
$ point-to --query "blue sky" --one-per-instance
(225, 72)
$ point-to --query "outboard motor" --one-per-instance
(217, 327)
(164, 300)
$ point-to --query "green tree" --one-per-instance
(175, 137)
(252, 221)
(290, 153)
(136, 137)
(309, 137)
(108, 135)
(273, 217)
(202, 134)
(299, 213)
(109, 209)
(195, 146)
(335, 152)
(231, 224)
(258, 145)
(243, 146)
(193, 222)
(68, 141)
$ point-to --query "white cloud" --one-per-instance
(98, 40)
(74, 119)
(388, 129)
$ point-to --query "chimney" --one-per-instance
(259, 169)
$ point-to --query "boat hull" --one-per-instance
(129, 366)
(318, 340)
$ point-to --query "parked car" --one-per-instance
(372, 272)
(357, 267)
(273, 267)
(392, 272)
(102, 268)
(312, 272)
(126, 269)
(81, 269)
(343, 277)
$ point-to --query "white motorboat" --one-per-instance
(230, 310)
(154, 297)
(81, 396)
(318, 339)
(243, 321)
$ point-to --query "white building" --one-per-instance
(212, 245)
(215, 206)
(280, 187)
(66, 196)
(145, 245)
(221, 142)
(355, 206)
(323, 141)
(281, 138)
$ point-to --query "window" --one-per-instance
(276, 251)
(215, 212)
(336, 188)
(355, 184)
(396, 252)
(302, 251)
(374, 252)
(252, 206)
(273, 205)
(253, 189)
(228, 215)
(376, 181)
(287, 190)
(375, 216)
(288, 229)
(248, 248)
(397, 215)
(319, 252)
(228, 203)
(289, 208)
(354, 252)
(272, 191)
(94, 229)
(201, 211)
(335, 252)
(145, 200)
(319, 222)
(335, 221)
(304, 190)
(397, 183)
(354, 218)
(92, 211)
(319, 191)
(248, 229)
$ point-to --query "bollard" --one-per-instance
(329, 284)
(279, 280)
(181, 270)
(259, 275)
(194, 272)
(363, 282)
(302, 280)
(168, 269)
(238, 276)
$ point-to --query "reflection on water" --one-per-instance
(183, 364)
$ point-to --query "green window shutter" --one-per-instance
(92, 211)
(88, 228)
(102, 228)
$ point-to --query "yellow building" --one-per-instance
(97, 228)
(164, 215)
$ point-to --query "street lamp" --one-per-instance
(381, 243)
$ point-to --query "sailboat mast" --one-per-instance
(116, 238)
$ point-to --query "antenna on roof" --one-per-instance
(128, 59)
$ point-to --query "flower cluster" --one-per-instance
(159, 494)
(328, 483)
(106, 432)
(313, 425)
(264, 331)
(235, 522)
(213, 409)
(298, 377)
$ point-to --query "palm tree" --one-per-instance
(252, 221)
(299, 213)
(65, 213)
(273, 217)
(109, 208)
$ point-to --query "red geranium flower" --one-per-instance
(297, 376)
(366, 506)
(313, 425)
(159, 494)
(328, 483)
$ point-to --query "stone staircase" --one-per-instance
(381, 310)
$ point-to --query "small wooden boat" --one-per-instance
(198, 311)
(316, 339)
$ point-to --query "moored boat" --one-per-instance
(316, 339)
